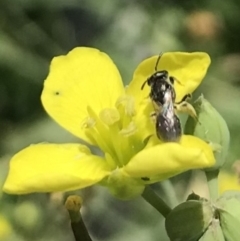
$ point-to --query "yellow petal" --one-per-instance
(228, 181)
(144, 122)
(53, 167)
(188, 68)
(168, 159)
(84, 77)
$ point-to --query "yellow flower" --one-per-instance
(228, 181)
(5, 228)
(84, 94)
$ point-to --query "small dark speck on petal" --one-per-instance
(145, 178)
(57, 93)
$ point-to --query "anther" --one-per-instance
(88, 123)
(128, 103)
(129, 130)
(109, 116)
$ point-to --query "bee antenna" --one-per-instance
(144, 84)
(159, 57)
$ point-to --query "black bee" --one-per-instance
(163, 95)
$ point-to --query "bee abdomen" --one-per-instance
(168, 130)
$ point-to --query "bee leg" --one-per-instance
(185, 98)
(185, 107)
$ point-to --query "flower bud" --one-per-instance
(228, 207)
(189, 220)
(210, 127)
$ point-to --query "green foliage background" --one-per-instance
(33, 32)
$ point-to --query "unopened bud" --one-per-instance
(210, 127)
(189, 220)
(228, 207)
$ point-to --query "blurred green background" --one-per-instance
(33, 32)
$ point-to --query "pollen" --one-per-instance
(114, 130)
(128, 103)
(129, 130)
(109, 116)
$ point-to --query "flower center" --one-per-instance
(114, 131)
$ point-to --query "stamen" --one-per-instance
(128, 102)
(117, 142)
(102, 129)
(97, 140)
(113, 130)
(88, 123)
(109, 116)
(102, 133)
(129, 130)
(125, 119)
(110, 161)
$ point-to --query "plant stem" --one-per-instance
(212, 179)
(80, 231)
(152, 198)
(169, 192)
(73, 205)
